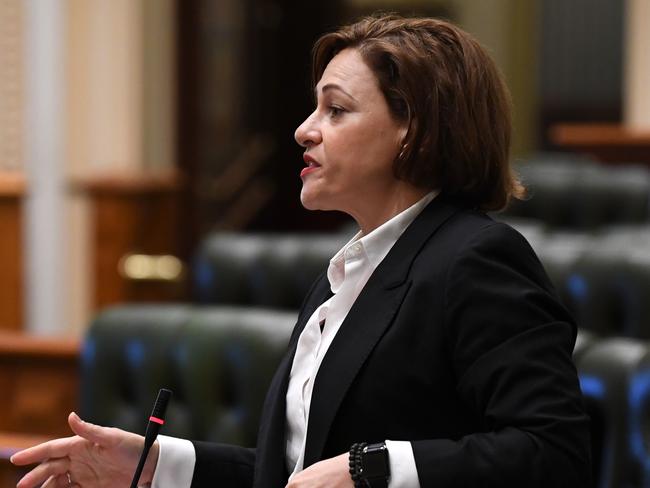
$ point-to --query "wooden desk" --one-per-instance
(39, 379)
(611, 143)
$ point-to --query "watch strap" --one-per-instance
(377, 482)
(375, 468)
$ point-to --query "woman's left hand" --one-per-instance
(330, 473)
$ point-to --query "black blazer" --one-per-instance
(458, 344)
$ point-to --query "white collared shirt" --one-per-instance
(348, 273)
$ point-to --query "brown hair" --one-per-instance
(441, 82)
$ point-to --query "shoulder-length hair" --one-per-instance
(441, 82)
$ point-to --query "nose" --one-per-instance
(307, 134)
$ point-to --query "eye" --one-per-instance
(335, 111)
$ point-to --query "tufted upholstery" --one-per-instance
(610, 290)
(615, 380)
(217, 361)
(580, 194)
(602, 277)
(122, 366)
(268, 270)
(227, 358)
(559, 251)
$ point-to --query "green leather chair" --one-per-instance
(575, 193)
(610, 289)
(218, 361)
(269, 270)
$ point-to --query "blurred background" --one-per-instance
(138, 127)
(135, 134)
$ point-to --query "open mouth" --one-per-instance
(311, 167)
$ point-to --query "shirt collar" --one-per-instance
(375, 245)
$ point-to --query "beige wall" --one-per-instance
(637, 65)
(11, 85)
(508, 28)
(121, 91)
(158, 90)
(104, 100)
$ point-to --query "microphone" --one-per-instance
(156, 421)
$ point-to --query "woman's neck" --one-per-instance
(377, 211)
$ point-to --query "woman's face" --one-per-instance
(350, 141)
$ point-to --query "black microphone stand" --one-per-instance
(156, 421)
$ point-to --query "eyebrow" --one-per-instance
(333, 86)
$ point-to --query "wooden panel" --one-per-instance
(132, 214)
(39, 379)
(612, 143)
(9, 444)
(11, 265)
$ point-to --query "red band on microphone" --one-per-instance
(157, 420)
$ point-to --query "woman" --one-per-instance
(434, 339)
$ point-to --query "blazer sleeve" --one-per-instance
(223, 465)
(510, 344)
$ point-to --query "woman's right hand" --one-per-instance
(95, 457)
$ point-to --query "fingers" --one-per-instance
(62, 447)
(51, 449)
(94, 433)
(48, 473)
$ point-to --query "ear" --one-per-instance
(401, 134)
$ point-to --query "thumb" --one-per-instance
(94, 433)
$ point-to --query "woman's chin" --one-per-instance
(309, 200)
(308, 204)
(318, 200)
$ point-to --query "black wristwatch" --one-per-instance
(375, 468)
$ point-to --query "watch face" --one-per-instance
(375, 462)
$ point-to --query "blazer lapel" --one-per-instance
(270, 466)
(366, 323)
(318, 294)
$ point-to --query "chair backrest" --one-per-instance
(602, 277)
(218, 361)
(268, 270)
(615, 380)
(580, 194)
(609, 289)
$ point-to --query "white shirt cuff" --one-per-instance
(403, 472)
(176, 461)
